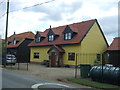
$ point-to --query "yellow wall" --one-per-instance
(93, 44)
(42, 51)
(70, 49)
(94, 41)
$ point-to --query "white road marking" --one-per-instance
(41, 84)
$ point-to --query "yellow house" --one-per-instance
(77, 43)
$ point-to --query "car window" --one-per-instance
(13, 56)
(10, 56)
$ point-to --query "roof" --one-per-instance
(60, 49)
(20, 38)
(115, 45)
(81, 28)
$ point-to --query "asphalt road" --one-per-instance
(14, 80)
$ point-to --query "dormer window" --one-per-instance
(8, 42)
(51, 35)
(38, 39)
(68, 33)
(14, 42)
(68, 36)
(51, 38)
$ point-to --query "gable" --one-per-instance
(67, 30)
(55, 48)
(50, 32)
(95, 40)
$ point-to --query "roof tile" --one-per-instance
(80, 28)
(115, 45)
(20, 38)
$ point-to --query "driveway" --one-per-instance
(49, 73)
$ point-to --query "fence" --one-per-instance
(88, 58)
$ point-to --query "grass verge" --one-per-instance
(10, 68)
(94, 84)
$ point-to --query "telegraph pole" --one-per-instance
(6, 32)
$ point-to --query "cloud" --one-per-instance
(2, 8)
(60, 12)
(55, 10)
(109, 26)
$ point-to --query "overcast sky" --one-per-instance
(58, 13)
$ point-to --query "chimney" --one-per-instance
(14, 33)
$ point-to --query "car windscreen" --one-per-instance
(10, 56)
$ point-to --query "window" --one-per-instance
(71, 56)
(14, 42)
(38, 39)
(68, 36)
(36, 55)
(98, 57)
(51, 37)
(17, 42)
(8, 42)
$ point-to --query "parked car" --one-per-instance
(10, 59)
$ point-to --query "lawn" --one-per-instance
(94, 84)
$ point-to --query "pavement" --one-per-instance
(59, 74)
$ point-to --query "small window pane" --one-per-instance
(68, 36)
(14, 42)
(36, 55)
(98, 57)
(51, 37)
(37, 39)
(71, 56)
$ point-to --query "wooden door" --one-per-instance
(53, 59)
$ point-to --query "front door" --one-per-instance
(53, 59)
(55, 56)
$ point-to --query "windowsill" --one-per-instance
(50, 41)
(71, 60)
(35, 58)
(67, 39)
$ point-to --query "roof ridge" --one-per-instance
(73, 23)
(116, 37)
(23, 33)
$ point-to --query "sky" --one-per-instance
(57, 13)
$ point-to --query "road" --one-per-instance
(14, 80)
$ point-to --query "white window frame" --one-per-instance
(51, 37)
(38, 39)
(14, 42)
(68, 36)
